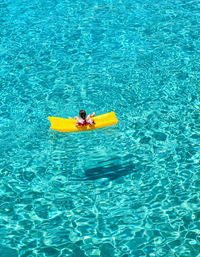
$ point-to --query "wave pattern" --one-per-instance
(128, 190)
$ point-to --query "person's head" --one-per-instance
(82, 114)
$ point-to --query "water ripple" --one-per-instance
(128, 190)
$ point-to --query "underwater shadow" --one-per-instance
(111, 172)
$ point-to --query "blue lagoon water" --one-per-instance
(128, 190)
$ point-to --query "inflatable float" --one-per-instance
(69, 125)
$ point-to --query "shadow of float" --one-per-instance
(112, 170)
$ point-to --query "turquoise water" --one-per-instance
(128, 190)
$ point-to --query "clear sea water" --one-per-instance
(129, 190)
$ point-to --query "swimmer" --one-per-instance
(84, 121)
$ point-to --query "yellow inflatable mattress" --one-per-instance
(69, 125)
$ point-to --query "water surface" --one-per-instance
(128, 190)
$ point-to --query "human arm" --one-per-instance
(90, 116)
(75, 118)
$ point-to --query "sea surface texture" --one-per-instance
(131, 190)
